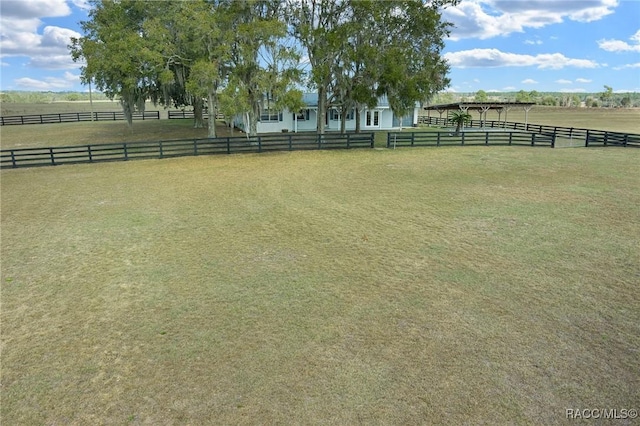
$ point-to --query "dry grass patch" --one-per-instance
(451, 285)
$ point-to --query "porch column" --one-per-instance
(483, 110)
(527, 108)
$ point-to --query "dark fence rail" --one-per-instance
(469, 138)
(53, 156)
(602, 138)
(70, 117)
(589, 136)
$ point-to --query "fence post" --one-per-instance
(290, 143)
(626, 139)
(319, 141)
(53, 161)
(553, 140)
(13, 158)
(533, 139)
(388, 140)
(126, 154)
(90, 153)
(438, 140)
(348, 140)
(259, 143)
(195, 147)
(228, 146)
(462, 142)
(606, 138)
(586, 139)
(486, 138)
(413, 137)
(510, 137)
(372, 138)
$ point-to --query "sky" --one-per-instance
(575, 46)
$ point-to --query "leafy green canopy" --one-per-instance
(238, 53)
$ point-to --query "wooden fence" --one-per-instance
(53, 156)
(589, 136)
(70, 117)
(190, 114)
(468, 138)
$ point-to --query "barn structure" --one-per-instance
(482, 108)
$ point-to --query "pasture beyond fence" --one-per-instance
(53, 156)
(72, 117)
(589, 136)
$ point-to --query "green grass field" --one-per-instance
(477, 285)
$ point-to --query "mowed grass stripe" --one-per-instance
(445, 285)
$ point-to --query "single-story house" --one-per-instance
(379, 118)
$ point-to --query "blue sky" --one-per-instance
(496, 45)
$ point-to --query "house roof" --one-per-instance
(311, 100)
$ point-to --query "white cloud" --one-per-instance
(583, 80)
(627, 66)
(533, 42)
(28, 9)
(491, 58)
(82, 4)
(621, 46)
(48, 83)
(20, 22)
(490, 18)
(563, 81)
(529, 81)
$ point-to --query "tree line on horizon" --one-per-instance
(606, 99)
(253, 57)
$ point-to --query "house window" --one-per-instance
(336, 115)
(302, 115)
(270, 115)
(373, 118)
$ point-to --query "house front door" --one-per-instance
(373, 119)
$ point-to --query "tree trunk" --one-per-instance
(212, 105)
(252, 117)
(198, 120)
(357, 119)
(322, 109)
(127, 110)
(343, 120)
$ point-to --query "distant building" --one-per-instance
(379, 118)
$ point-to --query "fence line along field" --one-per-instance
(623, 120)
(58, 107)
(480, 285)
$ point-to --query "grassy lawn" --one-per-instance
(419, 286)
